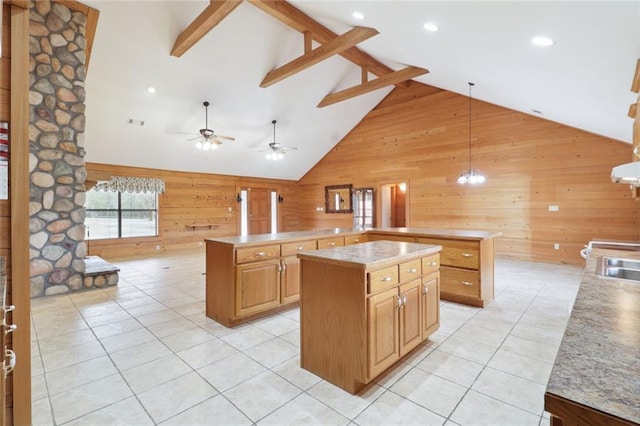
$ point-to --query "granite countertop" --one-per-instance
(371, 255)
(326, 233)
(598, 362)
(466, 234)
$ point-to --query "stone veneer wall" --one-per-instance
(56, 160)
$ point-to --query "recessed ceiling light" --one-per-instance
(542, 41)
(151, 89)
(430, 26)
(358, 15)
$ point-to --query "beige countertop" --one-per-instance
(371, 255)
(327, 233)
(598, 362)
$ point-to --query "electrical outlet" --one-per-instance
(556, 246)
(319, 209)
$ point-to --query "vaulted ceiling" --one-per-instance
(583, 80)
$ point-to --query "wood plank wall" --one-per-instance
(419, 135)
(191, 198)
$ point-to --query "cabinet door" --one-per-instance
(430, 304)
(257, 286)
(383, 339)
(290, 279)
(410, 328)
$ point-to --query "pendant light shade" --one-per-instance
(470, 176)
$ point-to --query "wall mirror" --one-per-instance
(337, 199)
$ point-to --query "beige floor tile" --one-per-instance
(66, 341)
(173, 397)
(247, 337)
(291, 371)
(538, 333)
(41, 413)
(292, 337)
(140, 354)
(154, 373)
(467, 349)
(167, 328)
(451, 367)
(100, 310)
(85, 399)
(342, 401)
(487, 336)
(128, 412)
(530, 348)
(231, 371)
(206, 353)
(157, 317)
(521, 366)
(36, 365)
(38, 387)
(202, 414)
(393, 374)
(75, 375)
(481, 410)
(269, 389)
(511, 389)
(187, 339)
(117, 328)
(391, 409)
(277, 324)
(272, 352)
(127, 339)
(146, 309)
(197, 308)
(73, 355)
(430, 391)
(109, 318)
(306, 410)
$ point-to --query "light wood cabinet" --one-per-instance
(355, 239)
(290, 279)
(330, 242)
(257, 287)
(359, 317)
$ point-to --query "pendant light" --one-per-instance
(471, 176)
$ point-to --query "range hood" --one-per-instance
(628, 173)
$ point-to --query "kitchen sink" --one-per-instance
(623, 269)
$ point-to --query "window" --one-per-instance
(115, 214)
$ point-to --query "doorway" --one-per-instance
(363, 204)
(393, 205)
(258, 211)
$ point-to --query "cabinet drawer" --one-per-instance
(462, 254)
(382, 279)
(460, 282)
(410, 270)
(390, 237)
(251, 254)
(355, 239)
(330, 242)
(430, 264)
(291, 249)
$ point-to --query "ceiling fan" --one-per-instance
(276, 151)
(207, 139)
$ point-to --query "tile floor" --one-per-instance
(144, 353)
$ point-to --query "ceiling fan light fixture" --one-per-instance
(470, 176)
(542, 41)
(430, 26)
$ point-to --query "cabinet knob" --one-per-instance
(357, 240)
(466, 283)
(467, 255)
(425, 289)
(9, 308)
(10, 328)
(387, 278)
(332, 244)
(260, 254)
(431, 264)
(412, 270)
(8, 368)
(299, 248)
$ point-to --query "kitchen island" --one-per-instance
(363, 307)
(596, 375)
(252, 276)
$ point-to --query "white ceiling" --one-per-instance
(583, 80)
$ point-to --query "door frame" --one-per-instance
(273, 188)
(380, 200)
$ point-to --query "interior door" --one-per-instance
(259, 206)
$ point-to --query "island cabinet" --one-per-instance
(466, 260)
(365, 306)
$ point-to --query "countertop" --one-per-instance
(371, 255)
(598, 362)
(327, 233)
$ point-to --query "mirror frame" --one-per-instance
(327, 199)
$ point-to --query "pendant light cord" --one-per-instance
(470, 86)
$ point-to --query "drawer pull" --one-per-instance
(260, 254)
(467, 255)
(399, 302)
(357, 240)
(299, 248)
(466, 283)
(8, 368)
(412, 270)
(9, 308)
(425, 289)
(331, 244)
(431, 264)
(387, 278)
(10, 328)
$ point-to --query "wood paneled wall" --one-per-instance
(191, 199)
(419, 135)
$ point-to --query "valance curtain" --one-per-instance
(131, 184)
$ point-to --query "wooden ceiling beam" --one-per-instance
(388, 79)
(211, 16)
(633, 110)
(299, 21)
(319, 54)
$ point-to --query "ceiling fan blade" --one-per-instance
(214, 139)
(193, 139)
(289, 148)
(185, 133)
(229, 138)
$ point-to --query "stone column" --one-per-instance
(57, 165)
